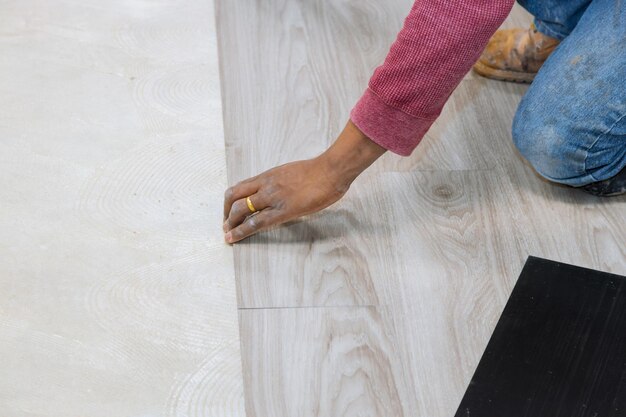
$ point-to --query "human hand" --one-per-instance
(298, 188)
(280, 194)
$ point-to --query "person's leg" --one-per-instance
(555, 18)
(571, 124)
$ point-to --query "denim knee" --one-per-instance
(546, 143)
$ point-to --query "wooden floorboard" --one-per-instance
(344, 363)
(423, 250)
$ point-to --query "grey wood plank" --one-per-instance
(278, 112)
(452, 245)
(292, 71)
(432, 243)
(344, 363)
(308, 71)
(297, 97)
(333, 258)
(459, 240)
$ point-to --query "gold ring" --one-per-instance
(250, 205)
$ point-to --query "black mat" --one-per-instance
(558, 350)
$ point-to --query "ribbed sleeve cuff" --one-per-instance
(388, 126)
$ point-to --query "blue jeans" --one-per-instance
(571, 123)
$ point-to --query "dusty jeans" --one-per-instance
(571, 124)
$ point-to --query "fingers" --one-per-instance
(238, 191)
(253, 224)
(240, 210)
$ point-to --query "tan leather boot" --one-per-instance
(515, 54)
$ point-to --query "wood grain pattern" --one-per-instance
(341, 270)
(431, 243)
(445, 247)
(458, 241)
(117, 293)
(298, 89)
(342, 365)
(312, 61)
(278, 122)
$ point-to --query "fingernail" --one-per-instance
(229, 237)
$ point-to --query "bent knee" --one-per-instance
(550, 147)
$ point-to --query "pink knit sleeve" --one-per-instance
(440, 41)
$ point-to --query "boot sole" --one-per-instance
(503, 75)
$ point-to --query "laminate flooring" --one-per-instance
(117, 292)
(382, 304)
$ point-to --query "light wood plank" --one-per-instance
(117, 293)
(311, 61)
(289, 107)
(473, 133)
(343, 364)
(452, 245)
(332, 258)
(431, 243)
(457, 243)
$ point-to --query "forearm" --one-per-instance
(438, 44)
(350, 155)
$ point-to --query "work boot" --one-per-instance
(608, 188)
(515, 54)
